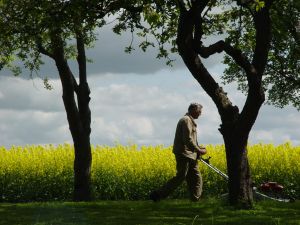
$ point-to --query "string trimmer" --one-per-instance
(272, 186)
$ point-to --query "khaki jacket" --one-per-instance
(185, 142)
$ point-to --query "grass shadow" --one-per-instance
(175, 212)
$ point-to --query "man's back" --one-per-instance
(185, 141)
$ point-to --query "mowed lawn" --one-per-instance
(171, 212)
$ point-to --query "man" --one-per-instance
(187, 151)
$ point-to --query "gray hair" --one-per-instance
(194, 106)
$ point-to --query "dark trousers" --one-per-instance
(187, 169)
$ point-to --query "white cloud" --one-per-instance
(20, 94)
(275, 136)
(263, 136)
(128, 108)
(281, 124)
(140, 126)
(32, 127)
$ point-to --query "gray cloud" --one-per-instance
(32, 127)
(108, 56)
(20, 94)
(31, 114)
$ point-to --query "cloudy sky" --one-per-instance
(135, 99)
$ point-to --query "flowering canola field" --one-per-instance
(43, 173)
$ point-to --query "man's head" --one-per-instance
(195, 110)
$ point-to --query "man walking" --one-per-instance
(187, 151)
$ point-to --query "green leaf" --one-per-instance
(259, 5)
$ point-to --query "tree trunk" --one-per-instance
(83, 155)
(79, 124)
(79, 117)
(240, 183)
(235, 126)
(82, 170)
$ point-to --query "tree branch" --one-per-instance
(42, 49)
(65, 73)
(221, 46)
(262, 24)
(208, 8)
(81, 58)
(193, 62)
(181, 5)
(196, 10)
(75, 84)
(284, 74)
(103, 9)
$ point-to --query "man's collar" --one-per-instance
(187, 114)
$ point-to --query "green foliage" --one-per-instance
(22, 36)
(43, 173)
(258, 4)
(47, 85)
(281, 77)
(283, 67)
(27, 28)
(155, 23)
(234, 21)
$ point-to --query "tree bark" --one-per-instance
(240, 183)
(82, 147)
(78, 115)
(83, 155)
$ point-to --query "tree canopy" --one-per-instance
(281, 78)
(232, 21)
(26, 27)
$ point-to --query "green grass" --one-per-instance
(172, 212)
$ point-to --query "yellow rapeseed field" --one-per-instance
(130, 172)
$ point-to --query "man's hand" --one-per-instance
(201, 152)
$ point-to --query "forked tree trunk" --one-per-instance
(78, 115)
(79, 125)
